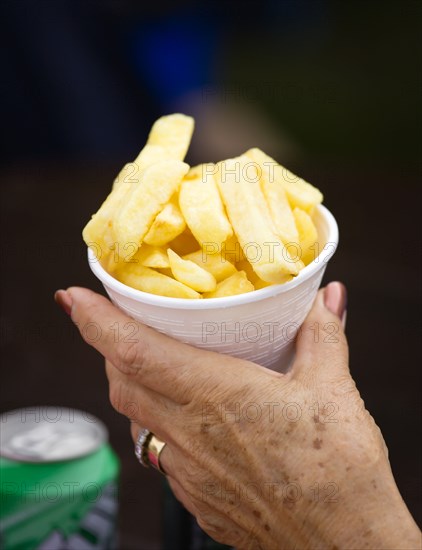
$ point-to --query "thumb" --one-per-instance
(321, 347)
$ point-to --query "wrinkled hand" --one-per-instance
(261, 459)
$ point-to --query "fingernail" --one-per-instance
(64, 300)
(335, 299)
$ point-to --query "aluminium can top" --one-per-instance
(49, 434)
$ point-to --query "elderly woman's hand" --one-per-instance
(261, 459)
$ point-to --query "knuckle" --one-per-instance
(192, 446)
(131, 410)
(197, 462)
(220, 529)
(190, 475)
(206, 525)
(116, 396)
(130, 356)
(175, 489)
(345, 385)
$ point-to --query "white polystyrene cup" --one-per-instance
(259, 326)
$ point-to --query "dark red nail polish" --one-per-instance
(64, 300)
(335, 298)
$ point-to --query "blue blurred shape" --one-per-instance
(175, 55)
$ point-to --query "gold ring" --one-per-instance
(140, 446)
(154, 448)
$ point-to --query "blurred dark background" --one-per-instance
(331, 89)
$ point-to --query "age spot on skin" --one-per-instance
(317, 443)
(257, 514)
(374, 485)
(288, 503)
(205, 428)
(367, 533)
(215, 448)
(267, 527)
(291, 427)
(320, 464)
(284, 477)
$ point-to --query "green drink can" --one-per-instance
(58, 481)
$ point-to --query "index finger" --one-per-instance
(154, 360)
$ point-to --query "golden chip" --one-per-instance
(202, 207)
(191, 274)
(238, 182)
(237, 283)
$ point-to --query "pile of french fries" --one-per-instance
(210, 231)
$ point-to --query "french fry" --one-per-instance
(148, 280)
(258, 283)
(168, 224)
(249, 215)
(157, 185)
(151, 256)
(217, 229)
(131, 172)
(109, 263)
(173, 133)
(232, 251)
(299, 192)
(237, 283)
(308, 235)
(99, 228)
(191, 274)
(278, 204)
(202, 207)
(215, 264)
(169, 139)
